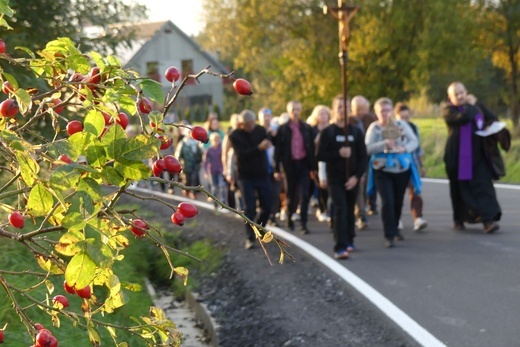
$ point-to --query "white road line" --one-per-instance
(405, 322)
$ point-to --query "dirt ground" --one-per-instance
(295, 304)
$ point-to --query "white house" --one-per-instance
(159, 45)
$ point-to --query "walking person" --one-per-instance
(295, 157)
(337, 147)
(265, 117)
(250, 142)
(403, 112)
(189, 153)
(320, 119)
(213, 168)
(472, 193)
(390, 144)
(360, 117)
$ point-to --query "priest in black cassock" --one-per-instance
(473, 196)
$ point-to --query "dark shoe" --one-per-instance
(458, 226)
(389, 243)
(304, 230)
(343, 254)
(399, 237)
(490, 228)
(290, 225)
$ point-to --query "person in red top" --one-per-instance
(294, 157)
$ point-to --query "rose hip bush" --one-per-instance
(59, 193)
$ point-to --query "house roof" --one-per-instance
(146, 32)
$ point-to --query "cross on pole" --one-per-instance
(343, 13)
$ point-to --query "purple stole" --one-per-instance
(466, 147)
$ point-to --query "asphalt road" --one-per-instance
(463, 288)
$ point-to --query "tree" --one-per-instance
(61, 191)
(501, 38)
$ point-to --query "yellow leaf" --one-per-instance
(182, 272)
(268, 237)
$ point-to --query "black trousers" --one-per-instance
(344, 202)
(391, 188)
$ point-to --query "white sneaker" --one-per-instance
(400, 225)
(322, 217)
(361, 224)
(419, 224)
(295, 217)
(283, 216)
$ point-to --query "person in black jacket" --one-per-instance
(343, 149)
(473, 196)
(294, 155)
(250, 142)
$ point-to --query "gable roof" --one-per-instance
(147, 32)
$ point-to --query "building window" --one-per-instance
(187, 69)
(152, 71)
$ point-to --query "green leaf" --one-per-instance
(80, 142)
(13, 141)
(68, 244)
(93, 335)
(132, 170)
(112, 60)
(133, 287)
(64, 178)
(100, 253)
(24, 100)
(113, 177)
(98, 60)
(80, 271)
(153, 90)
(91, 188)
(96, 156)
(114, 140)
(29, 168)
(141, 147)
(94, 123)
(127, 103)
(40, 201)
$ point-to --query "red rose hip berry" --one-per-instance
(60, 300)
(2, 46)
(145, 106)
(187, 209)
(139, 227)
(158, 167)
(7, 87)
(84, 293)
(74, 126)
(199, 133)
(172, 74)
(9, 108)
(178, 218)
(16, 219)
(172, 164)
(1, 336)
(68, 288)
(122, 120)
(242, 86)
(65, 159)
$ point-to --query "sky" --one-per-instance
(186, 14)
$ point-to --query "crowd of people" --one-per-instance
(341, 160)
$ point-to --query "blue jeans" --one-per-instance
(251, 188)
(218, 186)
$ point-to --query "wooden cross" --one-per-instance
(343, 14)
